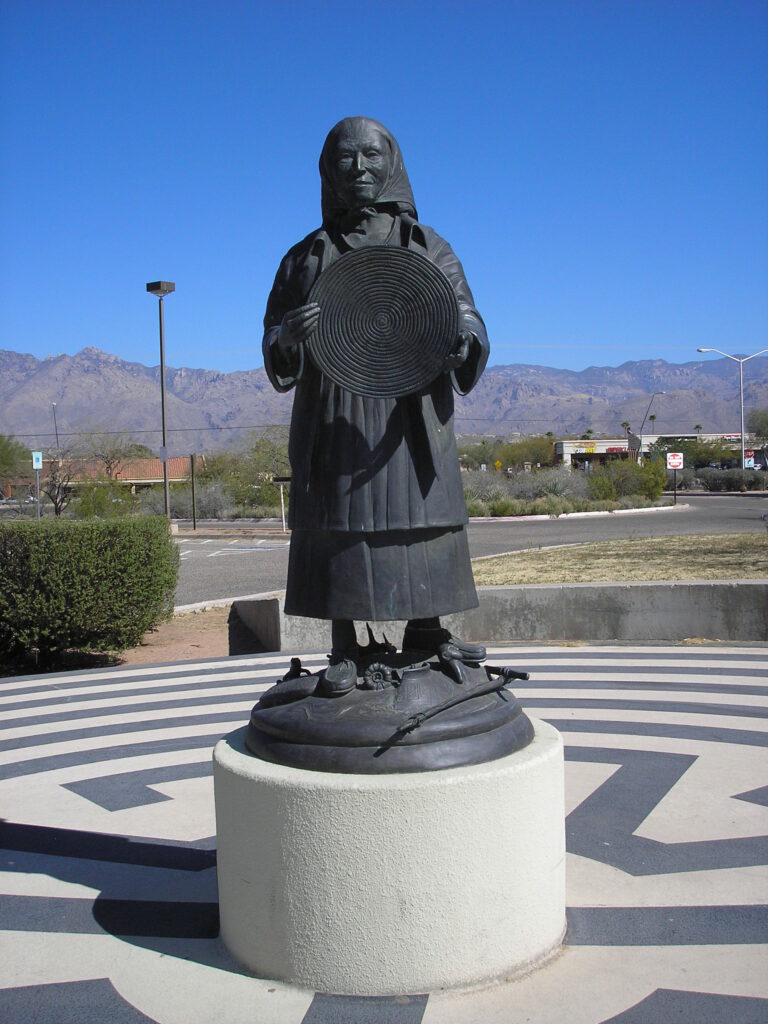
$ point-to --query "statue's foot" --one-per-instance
(340, 677)
(432, 640)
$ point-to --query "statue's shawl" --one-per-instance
(396, 194)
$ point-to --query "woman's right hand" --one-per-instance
(297, 325)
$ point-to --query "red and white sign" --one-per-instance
(674, 460)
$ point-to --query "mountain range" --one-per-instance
(208, 410)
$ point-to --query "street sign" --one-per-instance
(37, 460)
(674, 460)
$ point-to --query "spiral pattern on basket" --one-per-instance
(388, 319)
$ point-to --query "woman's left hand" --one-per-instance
(459, 355)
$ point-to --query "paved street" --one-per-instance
(108, 905)
(229, 566)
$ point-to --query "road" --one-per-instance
(230, 566)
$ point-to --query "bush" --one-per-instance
(601, 487)
(732, 479)
(477, 508)
(507, 507)
(686, 479)
(623, 477)
(490, 487)
(211, 501)
(89, 585)
(102, 500)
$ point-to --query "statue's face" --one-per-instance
(360, 164)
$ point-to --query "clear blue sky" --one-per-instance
(601, 168)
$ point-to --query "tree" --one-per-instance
(696, 454)
(625, 426)
(58, 478)
(112, 449)
(535, 450)
(757, 423)
(652, 421)
(698, 428)
(13, 458)
(246, 475)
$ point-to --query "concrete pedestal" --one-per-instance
(391, 884)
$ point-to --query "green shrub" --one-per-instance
(102, 500)
(548, 505)
(732, 479)
(89, 585)
(601, 487)
(623, 477)
(477, 508)
(507, 507)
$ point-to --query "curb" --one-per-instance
(576, 515)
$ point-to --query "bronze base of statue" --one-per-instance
(377, 711)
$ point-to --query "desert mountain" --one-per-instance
(208, 410)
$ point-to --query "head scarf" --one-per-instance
(396, 194)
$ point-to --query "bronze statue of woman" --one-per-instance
(377, 510)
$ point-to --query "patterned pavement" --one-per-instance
(108, 885)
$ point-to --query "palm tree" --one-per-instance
(698, 428)
(625, 426)
(652, 421)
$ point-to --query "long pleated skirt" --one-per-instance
(395, 574)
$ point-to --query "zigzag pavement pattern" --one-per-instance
(108, 906)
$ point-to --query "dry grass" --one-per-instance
(707, 557)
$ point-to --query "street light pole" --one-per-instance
(646, 417)
(55, 427)
(740, 360)
(161, 289)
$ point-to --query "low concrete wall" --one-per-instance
(591, 612)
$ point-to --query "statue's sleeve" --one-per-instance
(467, 375)
(284, 368)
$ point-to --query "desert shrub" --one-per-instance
(102, 500)
(88, 585)
(622, 477)
(484, 486)
(686, 479)
(212, 501)
(601, 487)
(601, 506)
(507, 507)
(549, 505)
(477, 508)
(732, 479)
(492, 487)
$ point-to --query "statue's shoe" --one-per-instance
(340, 677)
(432, 640)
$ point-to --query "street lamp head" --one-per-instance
(161, 288)
(698, 349)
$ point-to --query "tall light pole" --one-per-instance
(740, 360)
(161, 289)
(55, 427)
(646, 417)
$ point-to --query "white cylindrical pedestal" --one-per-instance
(391, 884)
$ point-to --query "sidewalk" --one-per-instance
(108, 909)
